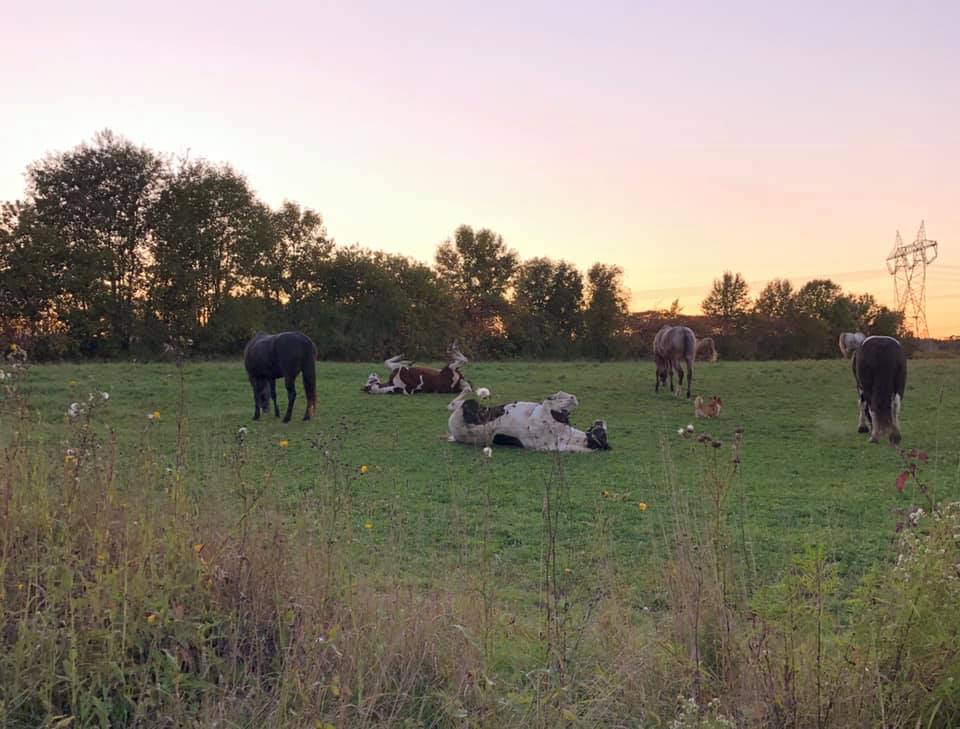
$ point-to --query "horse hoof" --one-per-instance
(286, 420)
(863, 429)
(874, 439)
(895, 438)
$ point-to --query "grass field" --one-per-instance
(806, 478)
(166, 561)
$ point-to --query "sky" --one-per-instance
(676, 140)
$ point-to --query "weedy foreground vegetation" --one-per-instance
(166, 562)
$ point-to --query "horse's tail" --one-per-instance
(309, 370)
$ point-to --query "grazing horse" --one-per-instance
(880, 369)
(543, 426)
(849, 342)
(405, 379)
(672, 346)
(268, 357)
(707, 350)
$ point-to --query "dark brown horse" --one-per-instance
(268, 357)
(880, 369)
(672, 346)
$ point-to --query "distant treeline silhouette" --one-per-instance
(116, 251)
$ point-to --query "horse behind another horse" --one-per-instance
(671, 346)
(268, 357)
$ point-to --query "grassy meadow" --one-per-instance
(548, 570)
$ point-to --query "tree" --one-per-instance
(728, 299)
(286, 269)
(548, 305)
(776, 300)
(817, 297)
(606, 311)
(209, 232)
(478, 268)
(97, 198)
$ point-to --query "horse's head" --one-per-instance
(261, 393)
(561, 403)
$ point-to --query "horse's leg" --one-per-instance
(256, 401)
(291, 383)
(689, 373)
(862, 412)
(273, 395)
(670, 366)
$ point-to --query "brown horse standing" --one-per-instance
(671, 346)
(880, 369)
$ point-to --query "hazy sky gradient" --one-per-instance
(674, 140)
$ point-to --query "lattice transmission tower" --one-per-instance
(907, 263)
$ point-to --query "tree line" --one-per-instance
(117, 250)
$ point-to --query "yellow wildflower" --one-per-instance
(72, 383)
(605, 494)
(156, 415)
(642, 506)
(20, 585)
(363, 470)
(151, 618)
(284, 443)
(198, 547)
(367, 525)
(567, 571)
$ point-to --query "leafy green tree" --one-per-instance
(606, 313)
(479, 269)
(209, 233)
(818, 297)
(729, 298)
(287, 268)
(776, 300)
(96, 198)
(548, 307)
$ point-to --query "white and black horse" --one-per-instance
(849, 342)
(880, 369)
(539, 426)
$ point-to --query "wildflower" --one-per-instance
(689, 427)
(156, 415)
(642, 505)
(284, 443)
(198, 547)
(243, 431)
(483, 392)
(488, 452)
(567, 571)
(101, 557)
(20, 586)
(74, 410)
(605, 494)
(681, 431)
(368, 525)
(363, 470)
(72, 383)
(151, 618)
(104, 396)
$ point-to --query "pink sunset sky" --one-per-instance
(673, 139)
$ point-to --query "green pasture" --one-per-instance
(806, 477)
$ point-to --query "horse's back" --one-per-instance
(881, 355)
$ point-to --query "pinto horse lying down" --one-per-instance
(543, 426)
(405, 379)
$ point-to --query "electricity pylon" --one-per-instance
(907, 263)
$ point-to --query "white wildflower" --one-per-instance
(483, 392)
(689, 427)
(74, 410)
(104, 395)
(681, 431)
(149, 416)
(488, 452)
(243, 430)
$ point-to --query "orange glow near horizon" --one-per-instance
(676, 142)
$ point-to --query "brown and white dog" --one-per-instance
(405, 379)
(707, 409)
